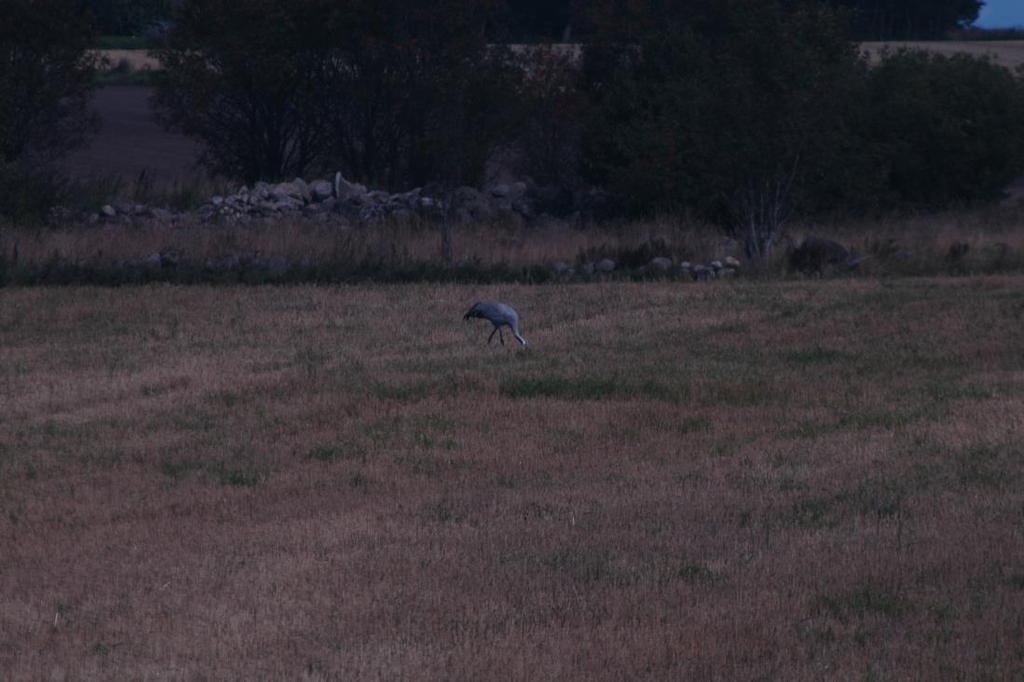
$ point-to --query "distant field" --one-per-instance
(1009, 53)
(137, 59)
(131, 142)
(804, 480)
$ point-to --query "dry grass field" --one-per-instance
(1008, 53)
(777, 480)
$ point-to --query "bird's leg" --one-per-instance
(501, 336)
(491, 336)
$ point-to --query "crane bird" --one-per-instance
(500, 315)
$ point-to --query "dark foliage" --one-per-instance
(950, 130)
(909, 19)
(540, 20)
(392, 93)
(742, 114)
(45, 78)
(129, 17)
(46, 81)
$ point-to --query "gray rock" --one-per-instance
(587, 268)
(152, 262)
(321, 190)
(287, 205)
(108, 211)
(605, 265)
(560, 267)
(286, 191)
(277, 265)
(716, 265)
(304, 192)
(702, 273)
(345, 190)
(217, 201)
(660, 264)
(169, 259)
(732, 262)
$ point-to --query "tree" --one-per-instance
(245, 91)
(46, 78)
(394, 93)
(415, 93)
(46, 81)
(909, 19)
(742, 113)
(949, 129)
(128, 17)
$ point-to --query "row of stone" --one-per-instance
(660, 265)
(340, 201)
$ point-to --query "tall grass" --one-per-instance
(956, 243)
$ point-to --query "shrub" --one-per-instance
(46, 80)
(948, 129)
(743, 112)
(393, 93)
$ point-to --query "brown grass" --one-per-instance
(804, 480)
(907, 245)
(139, 60)
(1008, 53)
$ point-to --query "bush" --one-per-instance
(742, 113)
(948, 130)
(46, 80)
(392, 93)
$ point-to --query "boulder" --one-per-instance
(304, 192)
(660, 264)
(560, 267)
(286, 191)
(170, 259)
(345, 190)
(277, 265)
(321, 190)
(702, 273)
(605, 265)
(732, 262)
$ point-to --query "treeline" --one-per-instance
(547, 20)
(565, 20)
(742, 112)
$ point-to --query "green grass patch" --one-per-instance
(583, 564)
(339, 452)
(588, 387)
(695, 573)
(816, 355)
(562, 388)
(243, 475)
(867, 598)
